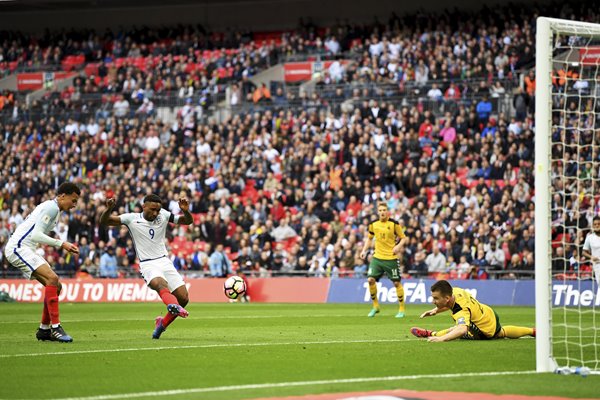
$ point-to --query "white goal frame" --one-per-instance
(543, 131)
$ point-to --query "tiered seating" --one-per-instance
(72, 62)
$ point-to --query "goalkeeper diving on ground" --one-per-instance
(474, 320)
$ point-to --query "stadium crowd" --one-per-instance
(290, 188)
(193, 63)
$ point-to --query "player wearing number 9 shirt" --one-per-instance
(147, 230)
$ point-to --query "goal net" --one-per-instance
(567, 190)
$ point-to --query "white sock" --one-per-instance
(44, 326)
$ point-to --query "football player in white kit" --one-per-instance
(591, 247)
(20, 252)
(147, 230)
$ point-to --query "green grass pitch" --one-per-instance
(237, 351)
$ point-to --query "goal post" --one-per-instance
(543, 256)
(567, 177)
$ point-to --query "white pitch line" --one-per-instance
(66, 321)
(289, 384)
(200, 346)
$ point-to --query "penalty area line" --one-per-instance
(290, 384)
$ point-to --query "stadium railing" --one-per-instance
(318, 56)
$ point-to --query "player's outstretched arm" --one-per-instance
(38, 236)
(433, 311)
(106, 218)
(187, 218)
(429, 313)
(458, 332)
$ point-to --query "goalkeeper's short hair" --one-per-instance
(443, 287)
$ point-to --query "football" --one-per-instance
(234, 287)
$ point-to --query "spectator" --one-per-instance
(436, 261)
(261, 94)
(521, 104)
(420, 266)
(316, 269)
(283, 231)
(219, 150)
(332, 45)
(529, 82)
(495, 257)
(219, 264)
(108, 264)
(448, 133)
(463, 268)
(484, 110)
(435, 94)
(121, 107)
(146, 108)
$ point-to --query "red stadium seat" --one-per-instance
(91, 69)
(188, 248)
(462, 172)
(179, 240)
(199, 245)
(196, 217)
(190, 67)
(431, 191)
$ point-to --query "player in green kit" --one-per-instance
(389, 241)
(474, 320)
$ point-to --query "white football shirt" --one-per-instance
(592, 245)
(43, 219)
(148, 236)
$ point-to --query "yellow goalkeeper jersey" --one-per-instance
(478, 317)
(386, 235)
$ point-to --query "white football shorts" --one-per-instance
(597, 273)
(24, 258)
(161, 268)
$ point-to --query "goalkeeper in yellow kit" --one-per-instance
(474, 320)
(389, 241)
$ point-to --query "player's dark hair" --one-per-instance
(596, 218)
(443, 287)
(153, 198)
(68, 188)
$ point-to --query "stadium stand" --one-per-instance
(434, 115)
